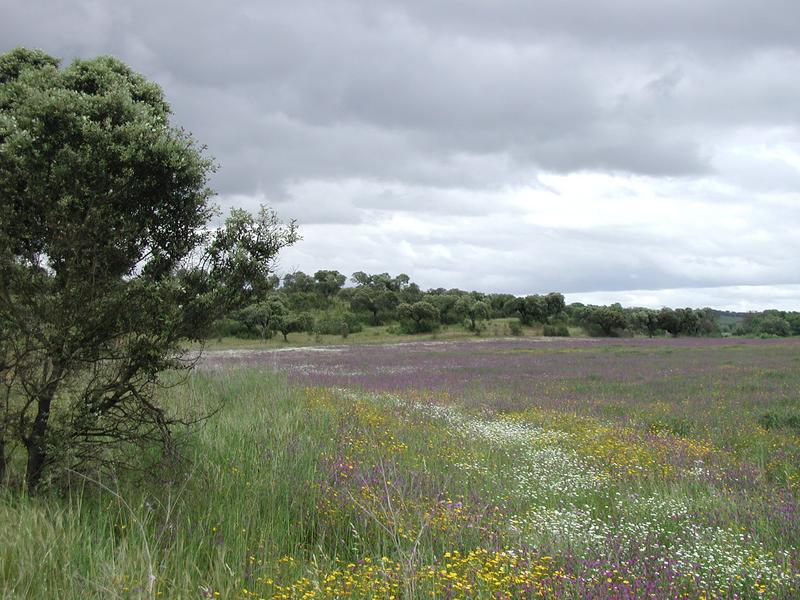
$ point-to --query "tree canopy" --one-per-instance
(107, 260)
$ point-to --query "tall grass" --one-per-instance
(246, 497)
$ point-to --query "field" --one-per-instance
(506, 468)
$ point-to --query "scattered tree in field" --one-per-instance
(669, 321)
(420, 317)
(446, 304)
(474, 311)
(644, 320)
(263, 318)
(535, 308)
(609, 319)
(106, 261)
(293, 323)
(378, 302)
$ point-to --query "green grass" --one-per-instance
(246, 494)
(380, 334)
(287, 491)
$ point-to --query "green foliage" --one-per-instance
(328, 283)
(338, 323)
(263, 319)
(106, 261)
(380, 303)
(515, 327)
(556, 330)
(608, 320)
(769, 322)
(780, 420)
(420, 317)
(474, 311)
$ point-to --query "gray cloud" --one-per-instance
(345, 114)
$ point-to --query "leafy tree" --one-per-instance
(264, 318)
(498, 302)
(419, 317)
(379, 302)
(474, 311)
(293, 323)
(445, 303)
(643, 320)
(609, 319)
(298, 282)
(328, 283)
(669, 321)
(530, 309)
(107, 263)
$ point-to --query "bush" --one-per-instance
(558, 330)
(337, 324)
(228, 327)
(515, 327)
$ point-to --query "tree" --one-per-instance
(609, 319)
(107, 263)
(419, 317)
(264, 318)
(530, 309)
(669, 321)
(555, 305)
(644, 320)
(474, 311)
(290, 323)
(377, 301)
(328, 283)
(446, 305)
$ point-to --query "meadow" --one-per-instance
(509, 468)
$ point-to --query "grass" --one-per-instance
(449, 492)
(380, 334)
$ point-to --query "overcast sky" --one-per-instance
(646, 152)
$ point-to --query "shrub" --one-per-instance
(336, 324)
(515, 327)
(557, 330)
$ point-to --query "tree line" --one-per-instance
(330, 303)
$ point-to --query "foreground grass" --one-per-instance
(341, 493)
(247, 494)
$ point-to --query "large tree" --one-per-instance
(107, 260)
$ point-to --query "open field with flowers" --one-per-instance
(468, 469)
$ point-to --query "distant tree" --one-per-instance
(328, 283)
(298, 282)
(474, 311)
(530, 309)
(609, 319)
(264, 318)
(445, 303)
(107, 263)
(497, 303)
(419, 317)
(376, 301)
(644, 320)
(555, 306)
(290, 322)
(669, 321)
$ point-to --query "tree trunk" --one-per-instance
(2, 462)
(35, 443)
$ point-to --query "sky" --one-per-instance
(613, 150)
